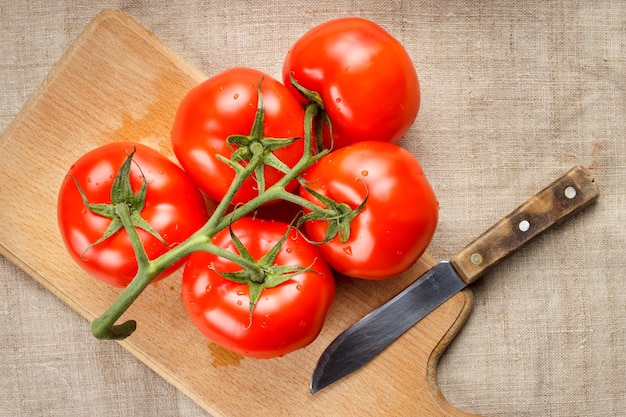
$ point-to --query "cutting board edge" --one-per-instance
(433, 361)
(47, 284)
(59, 66)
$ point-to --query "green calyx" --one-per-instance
(322, 119)
(245, 147)
(310, 95)
(122, 194)
(263, 273)
(338, 215)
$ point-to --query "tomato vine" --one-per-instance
(253, 152)
(349, 92)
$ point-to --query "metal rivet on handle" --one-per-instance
(476, 258)
(570, 192)
(524, 225)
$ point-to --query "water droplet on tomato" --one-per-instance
(348, 250)
(239, 302)
(264, 325)
(209, 288)
(288, 250)
(240, 293)
(236, 96)
(302, 323)
(338, 100)
(364, 173)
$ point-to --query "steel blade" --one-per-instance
(366, 338)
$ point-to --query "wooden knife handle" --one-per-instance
(566, 195)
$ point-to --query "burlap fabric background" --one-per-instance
(514, 94)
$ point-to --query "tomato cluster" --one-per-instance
(322, 140)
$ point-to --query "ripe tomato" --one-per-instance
(226, 105)
(286, 317)
(364, 76)
(398, 220)
(174, 207)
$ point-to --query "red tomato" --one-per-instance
(174, 207)
(398, 220)
(364, 76)
(226, 105)
(286, 317)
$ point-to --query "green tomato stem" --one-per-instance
(123, 211)
(104, 327)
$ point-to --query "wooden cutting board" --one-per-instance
(117, 82)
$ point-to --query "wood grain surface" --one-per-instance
(117, 82)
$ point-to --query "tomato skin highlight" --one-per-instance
(174, 207)
(364, 76)
(286, 317)
(225, 105)
(399, 218)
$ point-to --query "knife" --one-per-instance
(366, 338)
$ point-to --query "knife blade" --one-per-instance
(358, 344)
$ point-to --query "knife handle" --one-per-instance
(566, 195)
